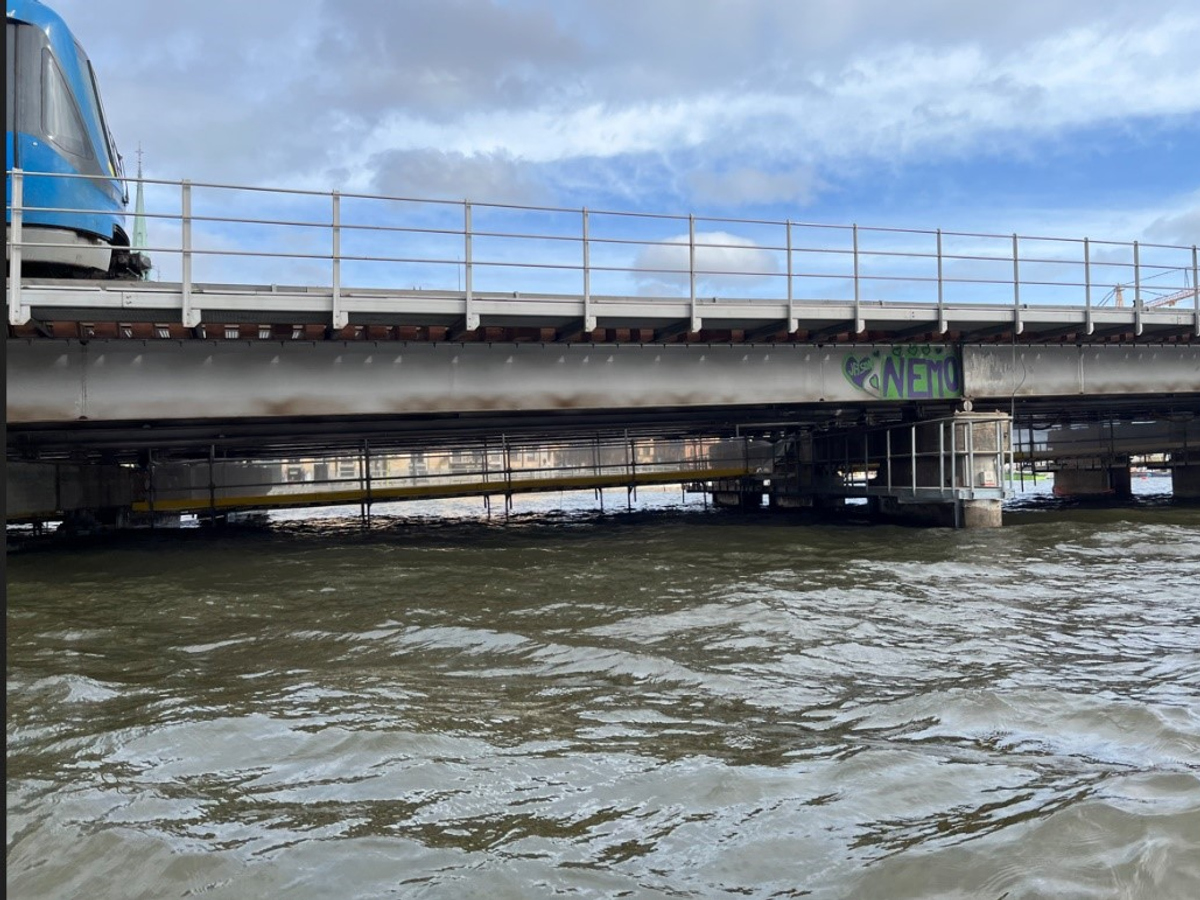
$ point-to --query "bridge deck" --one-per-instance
(70, 308)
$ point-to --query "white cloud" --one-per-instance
(904, 100)
(685, 102)
(722, 261)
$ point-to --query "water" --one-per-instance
(669, 703)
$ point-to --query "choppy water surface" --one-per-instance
(664, 704)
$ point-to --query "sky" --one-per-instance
(1043, 117)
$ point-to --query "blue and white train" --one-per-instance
(71, 226)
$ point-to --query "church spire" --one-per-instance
(139, 210)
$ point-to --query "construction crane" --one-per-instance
(1172, 299)
(1168, 300)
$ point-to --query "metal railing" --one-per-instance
(502, 467)
(964, 457)
(334, 242)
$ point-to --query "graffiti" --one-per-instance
(907, 372)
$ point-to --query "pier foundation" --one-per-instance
(65, 490)
(944, 472)
(738, 493)
(1103, 481)
(1185, 480)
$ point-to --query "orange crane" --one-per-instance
(1168, 300)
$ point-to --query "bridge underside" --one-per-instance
(203, 406)
(119, 397)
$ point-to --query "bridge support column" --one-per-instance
(1185, 478)
(738, 493)
(946, 472)
(1104, 481)
(951, 514)
(746, 491)
(90, 494)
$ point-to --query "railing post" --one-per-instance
(365, 482)
(942, 455)
(887, 440)
(508, 473)
(1137, 289)
(1137, 274)
(954, 456)
(339, 317)
(1018, 325)
(943, 325)
(191, 317)
(1087, 285)
(970, 460)
(1195, 291)
(18, 313)
(866, 462)
(589, 318)
(859, 325)
(913, 457)
(1001, 472)
(470, 317)
(212, 484)
(793, 323)
(696, 319)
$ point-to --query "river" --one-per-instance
(664, 703)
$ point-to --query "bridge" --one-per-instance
(355, 344)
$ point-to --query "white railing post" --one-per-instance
(793, 323)
(912, 432)
(1195, 290)
(1018, 325)
(589, 318)
(18, 313)
(338, 316)
(887, 440)
(1137, 274)
(470, 317)
(191, 317)
(1137, 289)
(1087, 285)
(942, 455)
(859, 325)
(943, 325)
(970, 479)
(696, 319)
(1001, 472)
(953, 455)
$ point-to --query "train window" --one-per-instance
(92, 97)
(60, 116)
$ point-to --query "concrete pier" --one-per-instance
(56, 491)
(1185, 479)
(1103, 481)
(947, 472)
(738, 493)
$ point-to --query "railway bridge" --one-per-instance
(299, 348)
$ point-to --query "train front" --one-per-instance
(71, 192)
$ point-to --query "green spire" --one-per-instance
(139, 210)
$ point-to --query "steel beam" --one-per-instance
(160, 380)
(1004, 372)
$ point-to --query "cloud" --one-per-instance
(485, 177)
(769, 106)
(749, 185)
(723, 262)
(1181, 228)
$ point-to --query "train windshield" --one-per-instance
(93, 99)
(61, 118)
